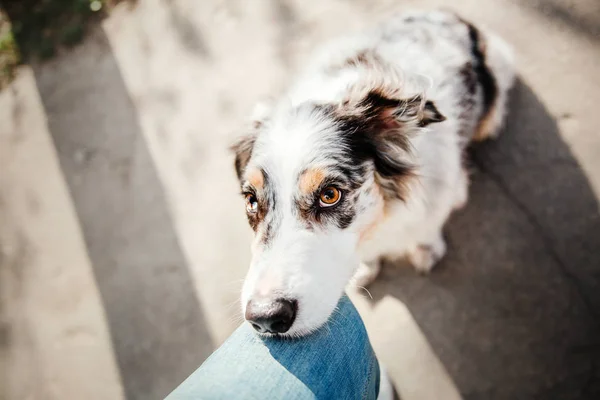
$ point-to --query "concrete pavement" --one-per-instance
(133, 184)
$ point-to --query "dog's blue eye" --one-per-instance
(251, 203)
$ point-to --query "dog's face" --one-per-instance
(315, 179)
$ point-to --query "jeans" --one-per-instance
(335, 362)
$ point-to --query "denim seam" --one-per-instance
(369, 377)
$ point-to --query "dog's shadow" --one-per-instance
(512, 310)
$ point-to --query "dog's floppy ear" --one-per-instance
(244, 146)
(390, 113)
(243, 151)
(380, 127)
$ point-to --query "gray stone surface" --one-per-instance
(141, 272)
(141, 115)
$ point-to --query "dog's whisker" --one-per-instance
(365, 289)
(234, 303)
(235, 281)
(235, 320)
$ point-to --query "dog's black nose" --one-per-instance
(271, 316)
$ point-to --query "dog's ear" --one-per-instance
(381, 127)
(244, 146)
(243, 151)
(392, 114)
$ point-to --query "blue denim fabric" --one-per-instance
(336, 362)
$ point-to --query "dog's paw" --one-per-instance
(462, 190)
(424, 257)
(366, 274)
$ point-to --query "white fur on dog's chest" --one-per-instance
(393, 236)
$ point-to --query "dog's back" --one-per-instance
(465, 71)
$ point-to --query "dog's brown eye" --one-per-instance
(251, 203)
(329, 196)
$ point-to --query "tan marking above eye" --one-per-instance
(256, 178)
(329, 196)
(310, 180)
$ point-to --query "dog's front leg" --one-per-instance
(424, 256)
(366, 273)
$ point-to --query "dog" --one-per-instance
(368, 144)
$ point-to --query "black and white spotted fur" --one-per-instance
(384, 117)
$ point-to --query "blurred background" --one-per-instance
(123, 241)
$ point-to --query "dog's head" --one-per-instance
(316, 179)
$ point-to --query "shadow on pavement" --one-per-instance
(582, 16)
(513, 309)
(156, 323)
